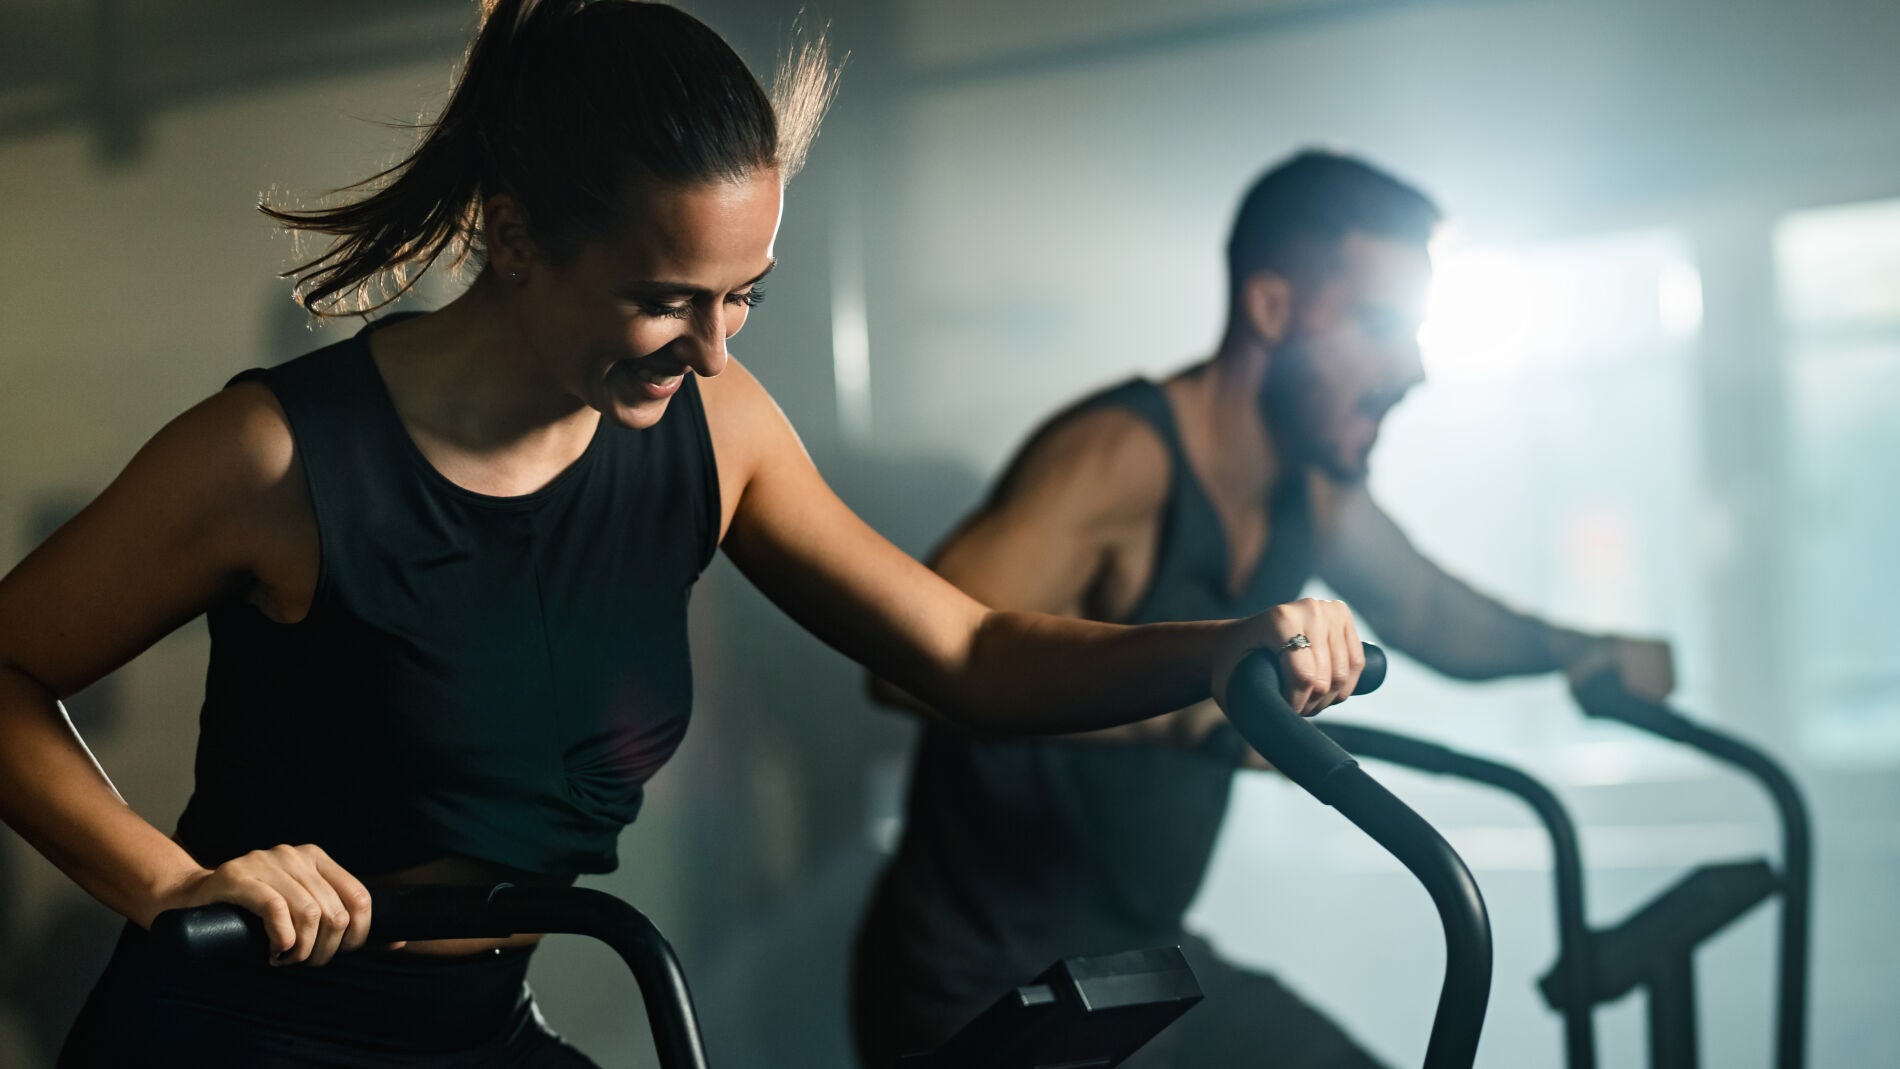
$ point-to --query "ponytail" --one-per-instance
(568, 106)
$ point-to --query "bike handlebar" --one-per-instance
(402, 913)
(1325, 770)
(1603, 695)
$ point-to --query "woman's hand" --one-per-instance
(311, 907)
(1314, 676)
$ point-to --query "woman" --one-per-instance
(446, 562)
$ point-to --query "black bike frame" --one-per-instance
(1700, 905)
(1317, 763)
(1573, 931)
(1603, 696)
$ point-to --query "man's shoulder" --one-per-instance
(1104, 434)
(1108, 455)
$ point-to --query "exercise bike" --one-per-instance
(1014, 1033)
(1654, 947)
(1083, 1013)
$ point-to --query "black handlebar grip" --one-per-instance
(417, 913)
(1290, 744)
(1373, 675)
(219, 932)
(1603, 695)
(224, 932)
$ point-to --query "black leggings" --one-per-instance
(366, 1009)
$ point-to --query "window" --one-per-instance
(1552, 460)
(1838, 274)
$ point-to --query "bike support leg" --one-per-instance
(1672, 1025)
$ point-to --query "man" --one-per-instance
(1213, 494)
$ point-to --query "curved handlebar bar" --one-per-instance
(1575, 953)
(1329, 773)
(228, 933)
(1312, 756)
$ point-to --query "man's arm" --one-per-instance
(1437, 618)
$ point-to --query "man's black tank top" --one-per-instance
(1019, 852)
(491, 677)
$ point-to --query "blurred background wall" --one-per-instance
(1665, 358)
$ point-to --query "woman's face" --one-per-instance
(623, 324)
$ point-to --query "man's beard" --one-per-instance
(1296, 424)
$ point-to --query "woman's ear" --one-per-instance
(505, 236)
(1266, 300)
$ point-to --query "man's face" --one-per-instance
(1349, 354)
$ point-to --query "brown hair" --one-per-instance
(566, 105)
(1297, 213)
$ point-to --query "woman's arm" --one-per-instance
(1085, 491)
(211, 503)
(993, 671)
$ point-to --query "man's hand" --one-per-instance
(1645, 668)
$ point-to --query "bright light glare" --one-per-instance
(1481, 315)
(1502, 313)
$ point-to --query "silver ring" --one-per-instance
(1297, 642)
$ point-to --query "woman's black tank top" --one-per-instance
(491, 677)
(1018, 852)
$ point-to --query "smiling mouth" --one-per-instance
(638, 383)
(661, 375)
(650, 371)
